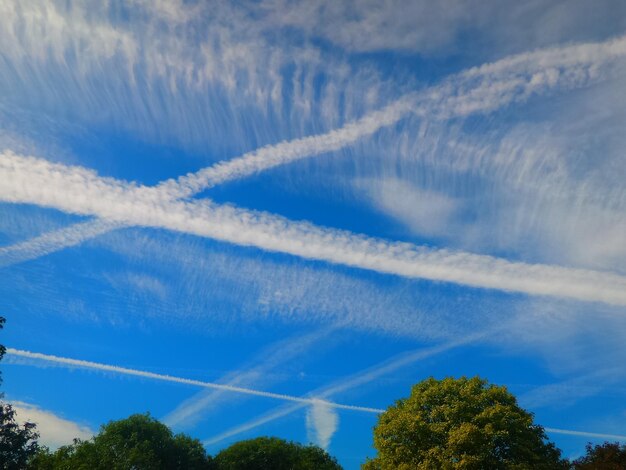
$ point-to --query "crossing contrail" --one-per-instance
(81, 191)
(477, 90)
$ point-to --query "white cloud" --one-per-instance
(545, 190)
(425, 212)
(322, 422)
(54, 431)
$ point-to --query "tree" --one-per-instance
(138, 442)
(18, 443)
(265, 453)
(460, 424)
(608, 456)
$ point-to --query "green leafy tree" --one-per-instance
(608, 456)
(18, 443)
(460, 424)
(138, 442)
(272, 453)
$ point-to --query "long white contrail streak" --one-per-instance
(617, 437)
(480, 89)
(170, 378)
(254, 423)
(80, 191)
(300, 401)
(278, 353)
(287, 410)
(55, 240)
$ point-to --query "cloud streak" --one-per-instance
(595, 435)
(81, 191)
(78, 363)
(54, 241)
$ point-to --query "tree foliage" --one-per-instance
(138, 442)
(266, 453)
(608, 456)
(460, 424)
(17, 442)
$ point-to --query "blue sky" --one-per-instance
(326, 201)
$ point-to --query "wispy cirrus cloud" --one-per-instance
(423, 28)
(197, 73)
(548, 191)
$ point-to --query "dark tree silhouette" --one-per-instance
(608, 456)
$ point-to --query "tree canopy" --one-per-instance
(138, 442)
(18, 443)
(608, 456)
(266, 453)
(461, 423)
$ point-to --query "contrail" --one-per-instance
(398, 362)
(373, 373)
(300, 401)
(616, 437)
(287, 410)
(479, 89)
(169, 378)
(55, 240)
(278, 353)
(255, 423)
(81, 191)
(353, 381)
